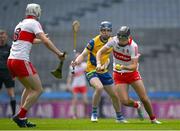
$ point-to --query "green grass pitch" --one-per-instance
(86, 124)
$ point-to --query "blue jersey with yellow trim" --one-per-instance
(93, 46)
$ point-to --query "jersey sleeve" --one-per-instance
(134, 51)
(111, 43)
(90, 45)
(37, 28)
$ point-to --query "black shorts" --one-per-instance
(6, 78)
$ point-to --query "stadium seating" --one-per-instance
(155, 27)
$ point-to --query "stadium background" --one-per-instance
(155, 27)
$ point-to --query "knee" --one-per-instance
(40, 91)
(99, 89)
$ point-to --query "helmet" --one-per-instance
(123, 32)
(34, 10)
(106, 25)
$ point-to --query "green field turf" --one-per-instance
(86, 124)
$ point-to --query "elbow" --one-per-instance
(134, 68)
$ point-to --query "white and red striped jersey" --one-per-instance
(123, 55)
(24, 34)
(79, 78)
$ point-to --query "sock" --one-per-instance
(22, 113)
(101, 103)
(135, 104)
(13, 105)
(94, 110)
(152, 117)
(74, 111)
(119, 116)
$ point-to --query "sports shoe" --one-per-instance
(155, 121)
(94, 117)
(30, 124)
(19, 122)
(23, 122)
(121, 119)
(139, 111)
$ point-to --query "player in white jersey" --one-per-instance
(27, 33)
(76, 83)
(125, 70)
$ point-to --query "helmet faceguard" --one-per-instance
(33, 10)
(123, 32)
(105, 30)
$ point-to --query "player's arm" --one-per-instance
(106, 64)
(134, 58)
(80, 58)
(132, 66)
(38, 41)
(103, 50)
(49, 44)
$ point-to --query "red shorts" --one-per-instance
(126, 78)
(20, 68)
(80, 89)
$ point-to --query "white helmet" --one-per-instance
(34, 10)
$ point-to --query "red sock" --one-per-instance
(135, 104)
(22, 113)
(152, 117)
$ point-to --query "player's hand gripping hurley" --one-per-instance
(58, 71)
(75, 28)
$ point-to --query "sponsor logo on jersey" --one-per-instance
(121, 56)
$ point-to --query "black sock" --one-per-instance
(13, 105)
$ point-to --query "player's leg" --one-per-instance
(122, 93)
(85, 103)
(12, 99)
(116, 103)
(111, 93)
(98, 88)
(141, 91)
(10, 84)
(107, 82)
(1, 79)
(33, 83)
(74, 103)
(121, 81)
(24, 95)
(101, 104)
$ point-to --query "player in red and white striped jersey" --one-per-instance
(27, 33)
(125, 71)
(76, 83)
